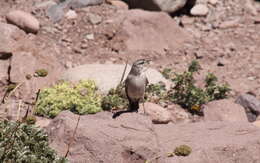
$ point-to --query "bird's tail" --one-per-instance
(134, 106)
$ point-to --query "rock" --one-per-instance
(24, 20)
(10, 35)
(158, 114)
(94, 19)
(90, 36)
(155, 38)
(178, 114)
(71, 14)
(56, 12)
(106, 76)
(256, 123)
(224, 110)
(119, 4)
(250, 104)
(249, 6)
(229, 24)
(168, 6)
(213, 2)
(134, 138)
(44, 4)
(199, 10)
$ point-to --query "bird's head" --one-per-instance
(138, 66)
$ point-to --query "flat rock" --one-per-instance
(199, 10)
(224, 110)
(23, 20)
(106, 76)
(132, 137)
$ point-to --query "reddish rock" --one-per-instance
(224, 110)
(161, 32)
(133, 138)
(178, 114)
(158, 114)
(24, 20)
(10, 35)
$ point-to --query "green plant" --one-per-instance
(188, 95)
(24, 143)
(31, 120)
(115, 99)
(167, 73)
(182, 150)
(80, 98)
(41, 73)
(156, 93)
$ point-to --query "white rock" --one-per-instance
(71, 14)
(24, 20)
(199, 10)
(106, 76)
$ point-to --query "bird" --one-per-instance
(135, 84)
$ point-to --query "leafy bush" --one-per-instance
(115, 99)
(156, 93)
(81, 98)
(189, 96)
(24, 143)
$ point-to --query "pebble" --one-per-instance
(90, 36)
(199, 10)
(24, 20)
(71, 14)
(94, 19)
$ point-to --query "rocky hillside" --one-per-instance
(44, 41)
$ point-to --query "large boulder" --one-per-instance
(106, 76)
(133, 138)
(151, 32)
(224, 110)
(169, 6)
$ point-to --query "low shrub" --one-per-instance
(24, 143)
(81, 98)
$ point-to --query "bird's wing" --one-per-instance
(126, 87)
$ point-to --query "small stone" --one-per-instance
(71, 14)
(90, 36)
(213, 2)
(199, 10)
(94, 19)
(24, 20)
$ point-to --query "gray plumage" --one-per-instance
(135, 84)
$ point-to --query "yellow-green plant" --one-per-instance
(81, 98)
(115, 99)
